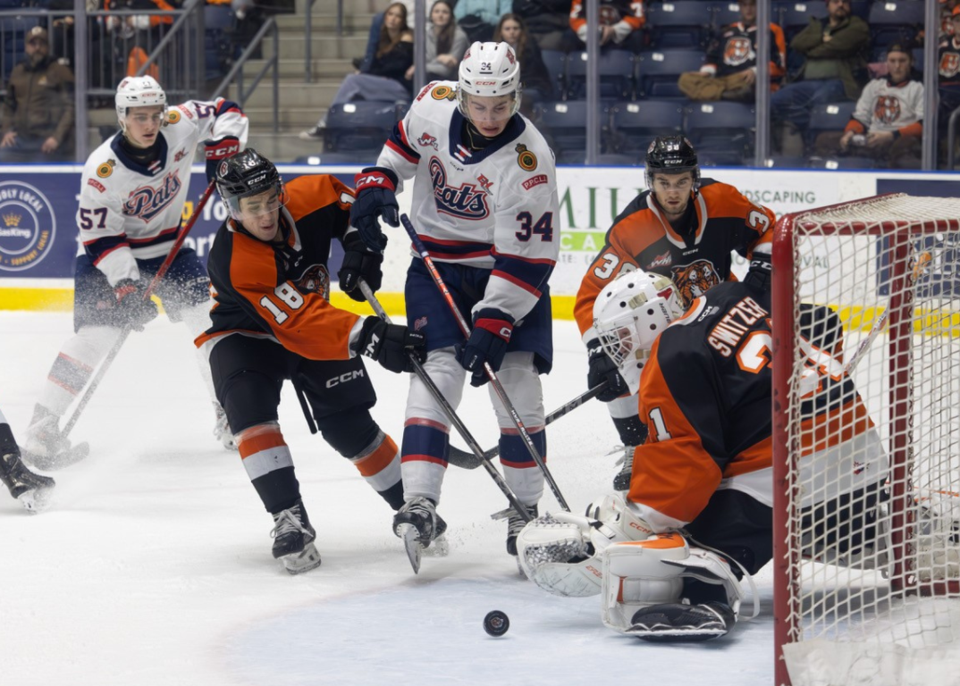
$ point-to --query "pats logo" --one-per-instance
(695, 279)
(28, 226)
(465, 202)
(146, 202)
(737, 51)
(426, 140)
(887, 109)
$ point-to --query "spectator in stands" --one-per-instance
(373, 39)
(947, 13)
(386, 79)
(135, 36)
(887, 124)
(948, 62)
(478, 17)
(834, 66)
(621, 22)
(546, 20)
(537, 85)
(446, 43)
(730, 71)
(38, 111)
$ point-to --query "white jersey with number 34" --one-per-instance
(494, 208)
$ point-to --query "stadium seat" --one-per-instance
(892, 22)
(359, 127)
(566, 124)
(725, 13)
(616, 75)
(830, 117)
(556, 64)
(842, 163)
(785, 162)
(660, 69)
(722, 131)
(635, 124)
(794, 16)
(678, 24)
(216, 18)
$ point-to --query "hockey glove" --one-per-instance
(359, 263)
(487, 344)
(376, 197)
(219, 151)
(602, 368)
(390, 344)
(133, 309)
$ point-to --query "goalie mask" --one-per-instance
(629, 314)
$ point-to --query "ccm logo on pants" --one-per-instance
(344, 378)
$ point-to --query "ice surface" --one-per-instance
(152, 567)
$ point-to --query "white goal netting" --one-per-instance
(867, 442)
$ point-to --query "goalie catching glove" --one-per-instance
(390, 344)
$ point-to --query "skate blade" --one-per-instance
(64, 458)
(411, 541)
(439, 547)
(304, 561)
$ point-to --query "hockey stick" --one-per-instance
(494, 381)
(449, 411)
(919, 269)
(125, 331)
(465, 460)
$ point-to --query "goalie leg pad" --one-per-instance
(637, 574)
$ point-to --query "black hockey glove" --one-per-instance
(390, 344)
(359, 263)
(133, 309)
(603, 368)
(376, 197)
(487, 343)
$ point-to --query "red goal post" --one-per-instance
(849, 599)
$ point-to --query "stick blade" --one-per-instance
(463, 459)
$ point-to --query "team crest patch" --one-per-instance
(28, 226)
(173, 117)
(693, 280)
(315, 280)
(526, 159)
(443, 93)
(106, 169)
(737, 51)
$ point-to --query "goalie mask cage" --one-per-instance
(867, 591)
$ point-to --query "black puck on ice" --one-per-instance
(496, 623)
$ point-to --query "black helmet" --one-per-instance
(672, 155)
(246, 173)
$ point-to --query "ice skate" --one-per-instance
(293, 538)
(419, 525)
(515, 524)
(222, 429)
(32, 490)
(621, 482)
(45, 448)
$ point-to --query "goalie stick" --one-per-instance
(464, 460)
(491, 375)
(410, 542)
(125, 331)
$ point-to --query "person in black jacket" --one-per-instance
(385, 80)
(537, 85)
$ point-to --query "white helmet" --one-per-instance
(138, 91)
(489, 69)
(629, 314)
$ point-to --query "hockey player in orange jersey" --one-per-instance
(272, 321)
(682, 227)
(698, 513)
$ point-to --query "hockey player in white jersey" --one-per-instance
(485, 204)
(132, 194)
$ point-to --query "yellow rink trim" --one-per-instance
(926, 321)
(61, 300)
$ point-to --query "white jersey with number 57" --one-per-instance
(494, 208)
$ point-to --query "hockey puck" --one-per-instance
(496, 623)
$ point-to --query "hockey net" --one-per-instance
(867, 443)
